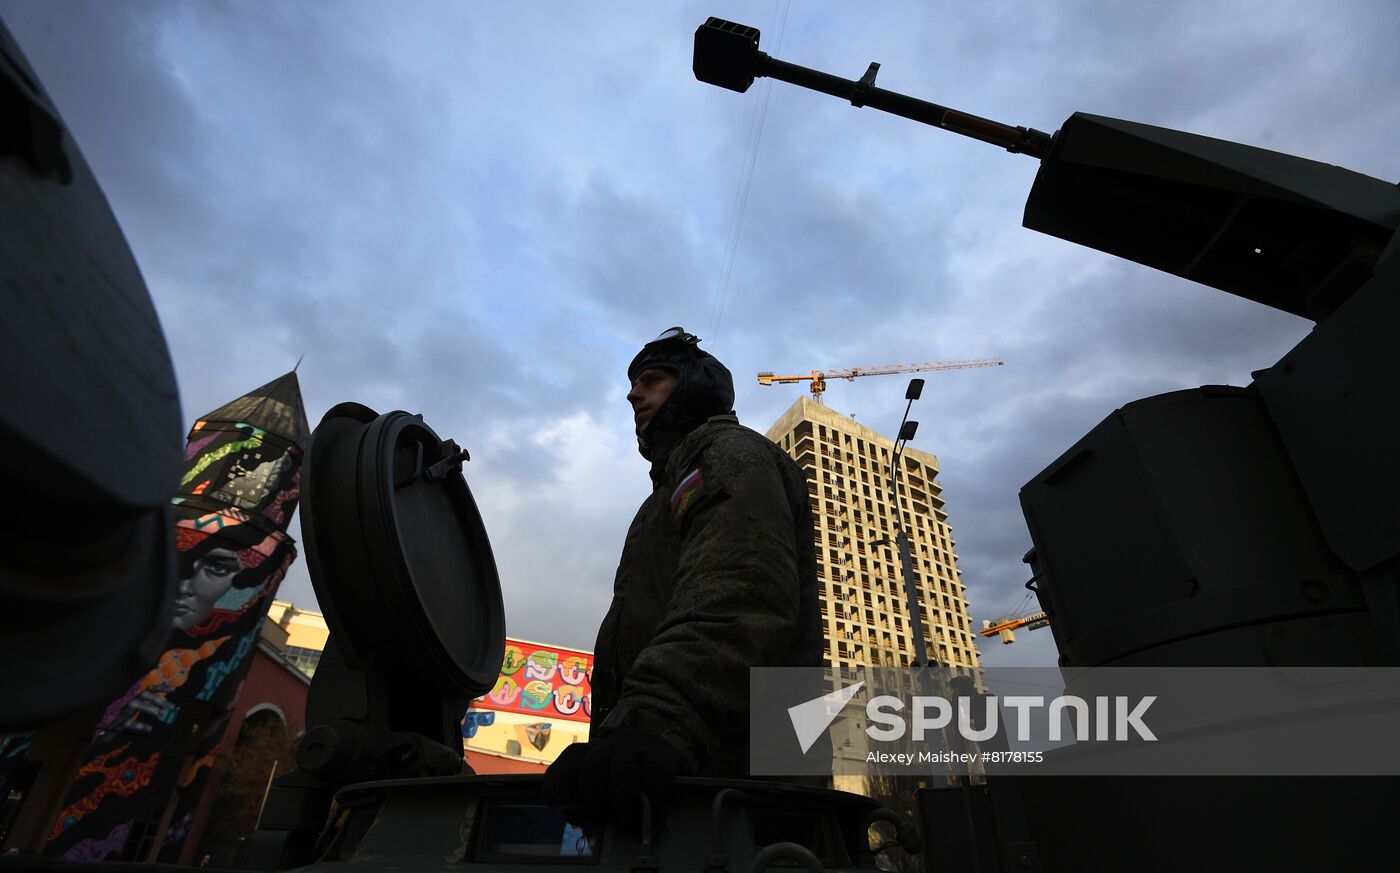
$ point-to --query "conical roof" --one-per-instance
(275, 407)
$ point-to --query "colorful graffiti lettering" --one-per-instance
(514, 660)
(541, 665)
(555, 682)
(568, 699)
(574, 670)
(536, 694)
(505, 692)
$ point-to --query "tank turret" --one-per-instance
(1223, 526)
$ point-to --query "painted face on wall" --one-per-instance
(212, 578)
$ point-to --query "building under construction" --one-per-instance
(863, 603)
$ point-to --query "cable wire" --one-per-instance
(741, 195)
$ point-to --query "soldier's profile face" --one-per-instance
(651, 389)
(213, 576)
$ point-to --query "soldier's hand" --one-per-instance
(607, 778)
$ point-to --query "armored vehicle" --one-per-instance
(1254, 526)
(1261, 527)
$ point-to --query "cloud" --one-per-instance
(557, 538)
(480, 213)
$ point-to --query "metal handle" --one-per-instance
(717, 858)
(904, 832)
(773, 851)
(452, 458)
(645, 862)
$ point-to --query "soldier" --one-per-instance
(717, 575)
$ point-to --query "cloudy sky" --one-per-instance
(480, 211)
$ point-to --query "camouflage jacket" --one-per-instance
(718, 574)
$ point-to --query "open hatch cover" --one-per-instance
(397, 551)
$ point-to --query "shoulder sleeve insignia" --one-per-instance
(685, 494)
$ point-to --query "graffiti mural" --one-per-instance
(475, 721)
(546, 681)
(17, 775)
(155, 746)
(537, 735)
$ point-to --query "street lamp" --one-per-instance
(907, 429)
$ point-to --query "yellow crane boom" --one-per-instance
(819, 377)
(1005, 627)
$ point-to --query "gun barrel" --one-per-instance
(727, 55)
(862, 92)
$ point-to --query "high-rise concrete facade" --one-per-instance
(864, 606)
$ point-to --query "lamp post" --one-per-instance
(907, 429)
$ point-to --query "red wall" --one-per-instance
(487, 764)
(270, 680)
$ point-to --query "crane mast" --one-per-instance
(818, 377)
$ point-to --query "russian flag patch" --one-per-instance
(684, 494)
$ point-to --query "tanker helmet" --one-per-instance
(704, 386)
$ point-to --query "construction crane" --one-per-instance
(1019, 617)
(1005, 627)
(819, 377)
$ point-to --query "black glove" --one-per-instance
(607, 778)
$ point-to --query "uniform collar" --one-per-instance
(667, 442)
